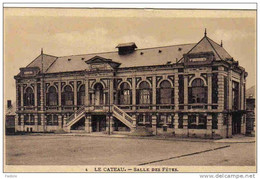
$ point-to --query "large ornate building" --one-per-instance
(194, 90)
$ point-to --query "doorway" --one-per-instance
(236, 123)
(98, 123)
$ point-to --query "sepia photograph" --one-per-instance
(129, 90)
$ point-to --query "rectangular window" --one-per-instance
(214, 88)
(225, 92)
(181, 89)
(180, 121)
(235, 95)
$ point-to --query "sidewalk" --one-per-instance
(237, 139)
(234, 139)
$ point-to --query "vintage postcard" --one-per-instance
(129, 90)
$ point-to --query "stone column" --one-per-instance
(60, 121)
(185, 125)
(64, 121)
(75, 95)
(210, 90)
(87, 120)
(176, 91)
(111, 124)
(176, 121)
(220, 124)
(42, 95)
(35, 96)
(154, 92)
(221, 89)
(209, 126)
(230, 100)
(22, 97)
(22, 122)
(134, 93)
(93, 98)
(154, 123)
(134, 121)
(43, 122)
(90, 123)
(185, 92)
(242, 95)
(107, 123)
(111, 95)
(229, 125)
(86, 93)
(59, 95)
(36, 122)
(16, 123)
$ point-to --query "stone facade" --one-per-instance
(200, 94)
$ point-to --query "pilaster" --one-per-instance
(210, 90)
(176, 91)
(185, 92)
(154, 92)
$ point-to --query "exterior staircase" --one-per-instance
(124, 117)
(74, 118)
(116, 112)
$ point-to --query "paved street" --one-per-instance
(89, 150)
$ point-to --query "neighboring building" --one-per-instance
(194, 90)
(250, 109)
(10, 118)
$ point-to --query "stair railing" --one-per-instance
(76, 114)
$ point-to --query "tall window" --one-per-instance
(67, 96)
(99, 93)
(52, 97)
(144, 93)
(29, 97)
(81, 95)
(125, 94)
(166, 95)
(235, 90)
(198, 92)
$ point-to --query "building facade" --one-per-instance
(189, 90)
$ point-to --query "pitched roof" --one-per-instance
(129, 44)
(48, 60)
(140, 57)
(208, 45)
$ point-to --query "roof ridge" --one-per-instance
(213, 47)
(192, 48)
(96, 53)
(33, 61)
(51, 64)
(219, 46)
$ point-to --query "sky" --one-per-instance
(62, 32)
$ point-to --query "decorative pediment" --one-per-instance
(100, 63)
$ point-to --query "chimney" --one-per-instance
(9, 104)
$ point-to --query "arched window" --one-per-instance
(99, 94)
(81, 95)
(144, 93)
(125, 94)
(198, 92)
(29, 97)
(165, 91)
(67, 96)
(52, 97)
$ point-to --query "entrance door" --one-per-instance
(98, 123)
(236, 124)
